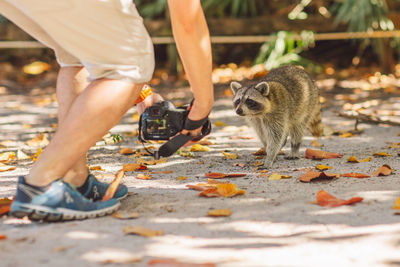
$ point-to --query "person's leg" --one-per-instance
(92, 114)
(71, 82)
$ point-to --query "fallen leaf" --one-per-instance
(5, 205)
(38, 141)
(6, 157)
(139, 230)
(241, 137)
(319, 154)
(355, 175)
(109, 194)
(315, 143)
(397, 204)
(385, 170)
(181, 178)
(126, 151)
(125, 215)
(5, 168)
(3, 237)
(220, 124)
(381, 154)
(327, 200)
(345, 135)
(230, 155)
(131, 167)
(152, 161)
(199, 148)
(37, 154)
(96, 168)
(276, 176)
(219, 213)
(219, 175)
(163, 172)
(353, 159)
(229, 190)
(322, 167)
(210, 192)
(313, 175)
(176, 263)
(205, 142)
(142, 176)
(36, 68)
(22, 156)
(260, 152)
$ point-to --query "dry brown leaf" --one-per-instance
(124, 215)
(327, 200)
(109, 194)
(219, 213)
(322, 167)
(355, 175)
(229, 190)
(313, 175)
(96, 168)
(139, 230)
(38, 141)
(219, 175)
(131, 167)
(126, 151)
(5, 205)
(210, 192)
(319, 154)
(381, 154)
(260, 152)
(385, 170)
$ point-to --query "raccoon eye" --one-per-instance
(252, 104)
(236, 103)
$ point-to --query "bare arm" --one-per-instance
(192, 39)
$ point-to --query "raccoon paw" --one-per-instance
(291, 157)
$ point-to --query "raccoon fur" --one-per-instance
(285, 103)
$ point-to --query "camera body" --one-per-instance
(162, 121)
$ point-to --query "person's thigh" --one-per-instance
(108, 36)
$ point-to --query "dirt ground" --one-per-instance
(274, 223)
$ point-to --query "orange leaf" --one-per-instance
(126, 151)
(5, 204)
(96, 168)
(175, 263)
(219, 213)
(2, 237)
(6, 157)
(40, 140)
(210, 192)
(5, 168)
(327, 200)
(229, 190)
(141, 176)
(319, 154)
(355, 175)
(215, 175)
(312, 175)
(234, 175)
(385, 170)
(131, 167)
(260, 152)
(382, 154)
(397, 204)
(113, 186)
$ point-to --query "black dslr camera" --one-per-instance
(162, 121)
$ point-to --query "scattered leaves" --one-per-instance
(109, 194)
(355, 175)
(230, 155)
(319, 154)
(327, 200)
(276, 176)
(385, 170)
(219, 213)
(313, 175)
(214, 188)
(139, 230)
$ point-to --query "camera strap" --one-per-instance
(178, 141)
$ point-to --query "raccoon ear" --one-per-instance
(263, 88)
(235, 86)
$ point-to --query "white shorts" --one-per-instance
(106, 36)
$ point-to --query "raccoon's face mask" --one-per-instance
(251, 100)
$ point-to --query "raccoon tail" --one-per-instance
(315, 126)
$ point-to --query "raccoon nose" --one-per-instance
(239, 111)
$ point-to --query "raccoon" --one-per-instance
(285, 103)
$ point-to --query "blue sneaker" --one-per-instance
(96, 189)
(57, 202)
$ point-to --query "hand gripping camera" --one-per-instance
(164, 121)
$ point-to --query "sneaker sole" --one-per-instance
(41, 213)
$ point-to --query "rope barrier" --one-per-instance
(238, 38)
